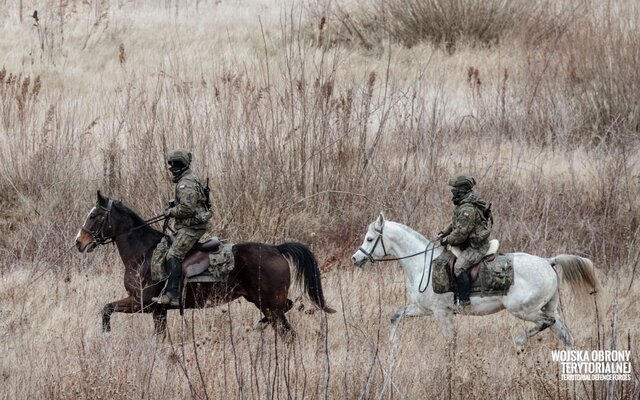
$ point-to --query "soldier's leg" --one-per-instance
(470, 257)
(463, 283)
(467, 259)
(444, 256)
(462, 280)
(185, 239)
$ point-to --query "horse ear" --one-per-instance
(101, 199)
(380, 221)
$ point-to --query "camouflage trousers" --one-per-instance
(469, 258)
(184, 241)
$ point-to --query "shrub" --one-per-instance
(444, 23)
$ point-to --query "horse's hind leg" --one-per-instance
(281, 325)
(559, 328)
(562, 332)
(541, 318)
(542, 322)
(261, 324)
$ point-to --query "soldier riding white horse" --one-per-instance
(533, 296)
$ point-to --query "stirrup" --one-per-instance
(460, 306)
(166, 300)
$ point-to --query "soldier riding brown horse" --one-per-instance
(261, 272)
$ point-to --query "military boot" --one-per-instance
(174, 282)
(464, 290)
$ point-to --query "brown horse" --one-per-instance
(261, 272)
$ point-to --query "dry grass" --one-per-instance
(50, 352)
(446, 24)
(307, 139)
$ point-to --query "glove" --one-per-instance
(169, 212)
(443, 241)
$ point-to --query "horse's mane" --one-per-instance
(410, 231)
(136, 219)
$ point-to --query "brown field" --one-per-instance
(309, 118)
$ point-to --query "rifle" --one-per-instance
(207, 199)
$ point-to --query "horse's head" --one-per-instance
(372, 247)
(97, 227)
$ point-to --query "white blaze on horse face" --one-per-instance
(81, 234)
(84, 223)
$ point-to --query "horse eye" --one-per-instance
(369, 239)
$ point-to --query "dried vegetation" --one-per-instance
(308, 121)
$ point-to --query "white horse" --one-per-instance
(532, 297)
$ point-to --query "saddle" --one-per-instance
(197, 259)
(474, 271)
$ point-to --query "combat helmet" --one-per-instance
(179, 161)
(461, 187)
(463, 181)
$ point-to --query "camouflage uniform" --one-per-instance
(469, 231)
(191, 214)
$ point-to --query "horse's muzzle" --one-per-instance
(85, 248)
(359, 263)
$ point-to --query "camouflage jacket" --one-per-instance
(190, 210)
(469, 227)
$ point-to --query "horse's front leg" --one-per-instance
(410, 310)
(160, 321)
(444, 316)
(126, 305)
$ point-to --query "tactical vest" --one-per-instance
(200, 207)
(482, 231)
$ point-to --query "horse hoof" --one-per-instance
(260, 325)
(520, 340)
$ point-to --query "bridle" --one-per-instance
(379, 239)
(105, 218)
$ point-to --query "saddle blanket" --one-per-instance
(494, 279)
(220, 264)
(196, 268)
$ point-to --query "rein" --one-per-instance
(380, 240)
(99, 238)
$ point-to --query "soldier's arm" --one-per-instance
(447, 231)
(187, 201)
(463, 226)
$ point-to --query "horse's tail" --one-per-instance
(577, 271)
(307, 272)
